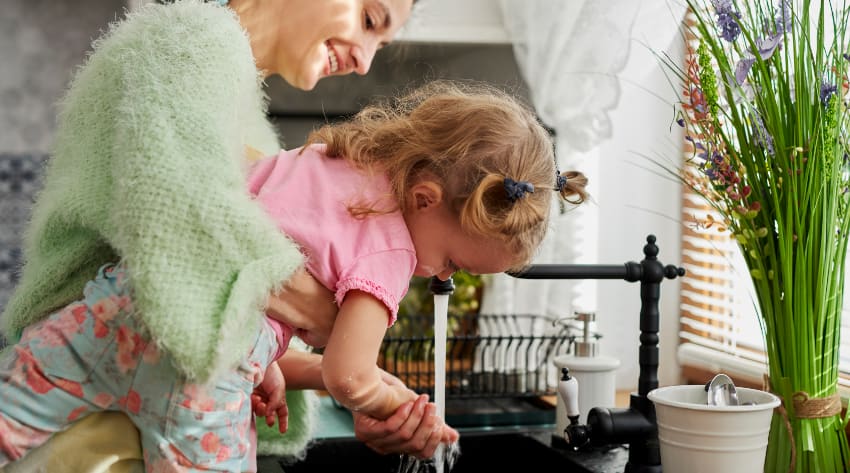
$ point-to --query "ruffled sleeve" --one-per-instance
(385, 275)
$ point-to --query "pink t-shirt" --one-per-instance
(308, 195)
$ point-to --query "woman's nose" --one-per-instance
(363, 56)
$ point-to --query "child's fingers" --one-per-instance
(259, 406)
(450, 435)
(276, 402)
(278, 407)
(283, 418)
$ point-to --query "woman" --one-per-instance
(153, 134)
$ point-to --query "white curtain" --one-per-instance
(569, 52)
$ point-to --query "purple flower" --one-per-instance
(727, 20)
(768, 45)
(783, 21)
(766, 48)
(743, 68)
(680, 122)
(827, 90)
(762, 137)
(716, 158)
(846, 56)
(740, 92)
(728, 23)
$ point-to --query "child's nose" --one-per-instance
(446, 274)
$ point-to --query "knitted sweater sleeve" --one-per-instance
(202, 255)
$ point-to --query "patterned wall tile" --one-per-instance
(20, 181)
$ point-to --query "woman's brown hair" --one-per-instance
(467, 137)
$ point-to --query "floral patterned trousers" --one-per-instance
(93, 355)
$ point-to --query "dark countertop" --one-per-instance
(609, 459)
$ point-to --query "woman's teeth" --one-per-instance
(334, 62)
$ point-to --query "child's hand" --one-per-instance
(414, 429)
(269, 398)
(397, 385)
(391, 379)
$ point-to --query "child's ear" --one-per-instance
(426, 194)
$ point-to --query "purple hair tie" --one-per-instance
(516, 190)
(560, 181)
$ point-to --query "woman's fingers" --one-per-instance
(428, 434)
(414, 429)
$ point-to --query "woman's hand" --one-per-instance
(306, 305)
(414, 429)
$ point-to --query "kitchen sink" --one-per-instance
(488, 451)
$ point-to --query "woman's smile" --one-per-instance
(333, 59)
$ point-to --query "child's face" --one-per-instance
(441, 245)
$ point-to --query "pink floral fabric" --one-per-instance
(93, 355)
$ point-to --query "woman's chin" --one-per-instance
(307, 85)
(306, 82)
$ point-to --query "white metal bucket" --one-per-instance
(697, 438)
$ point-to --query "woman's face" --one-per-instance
(334, 37)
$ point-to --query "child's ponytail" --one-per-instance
(569, 184)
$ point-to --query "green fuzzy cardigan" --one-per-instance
(148, 168)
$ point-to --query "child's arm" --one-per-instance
(304, 303)
(302, 370)
(349, 368)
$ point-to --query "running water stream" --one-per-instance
(443, 459)
(441, 315)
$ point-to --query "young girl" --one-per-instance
(449, 177)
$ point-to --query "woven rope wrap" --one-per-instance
(805, 407)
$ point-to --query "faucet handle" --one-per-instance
(568, 390)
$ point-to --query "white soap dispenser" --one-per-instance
(593, 373)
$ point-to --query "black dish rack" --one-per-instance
(487, 356)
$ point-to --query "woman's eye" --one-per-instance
(370, 23)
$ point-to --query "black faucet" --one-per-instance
(635, 425)
(438, 286)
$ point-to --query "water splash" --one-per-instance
(444, 461)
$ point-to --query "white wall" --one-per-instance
(466, 21)
(633, 201)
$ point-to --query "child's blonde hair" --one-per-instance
(468, 138)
